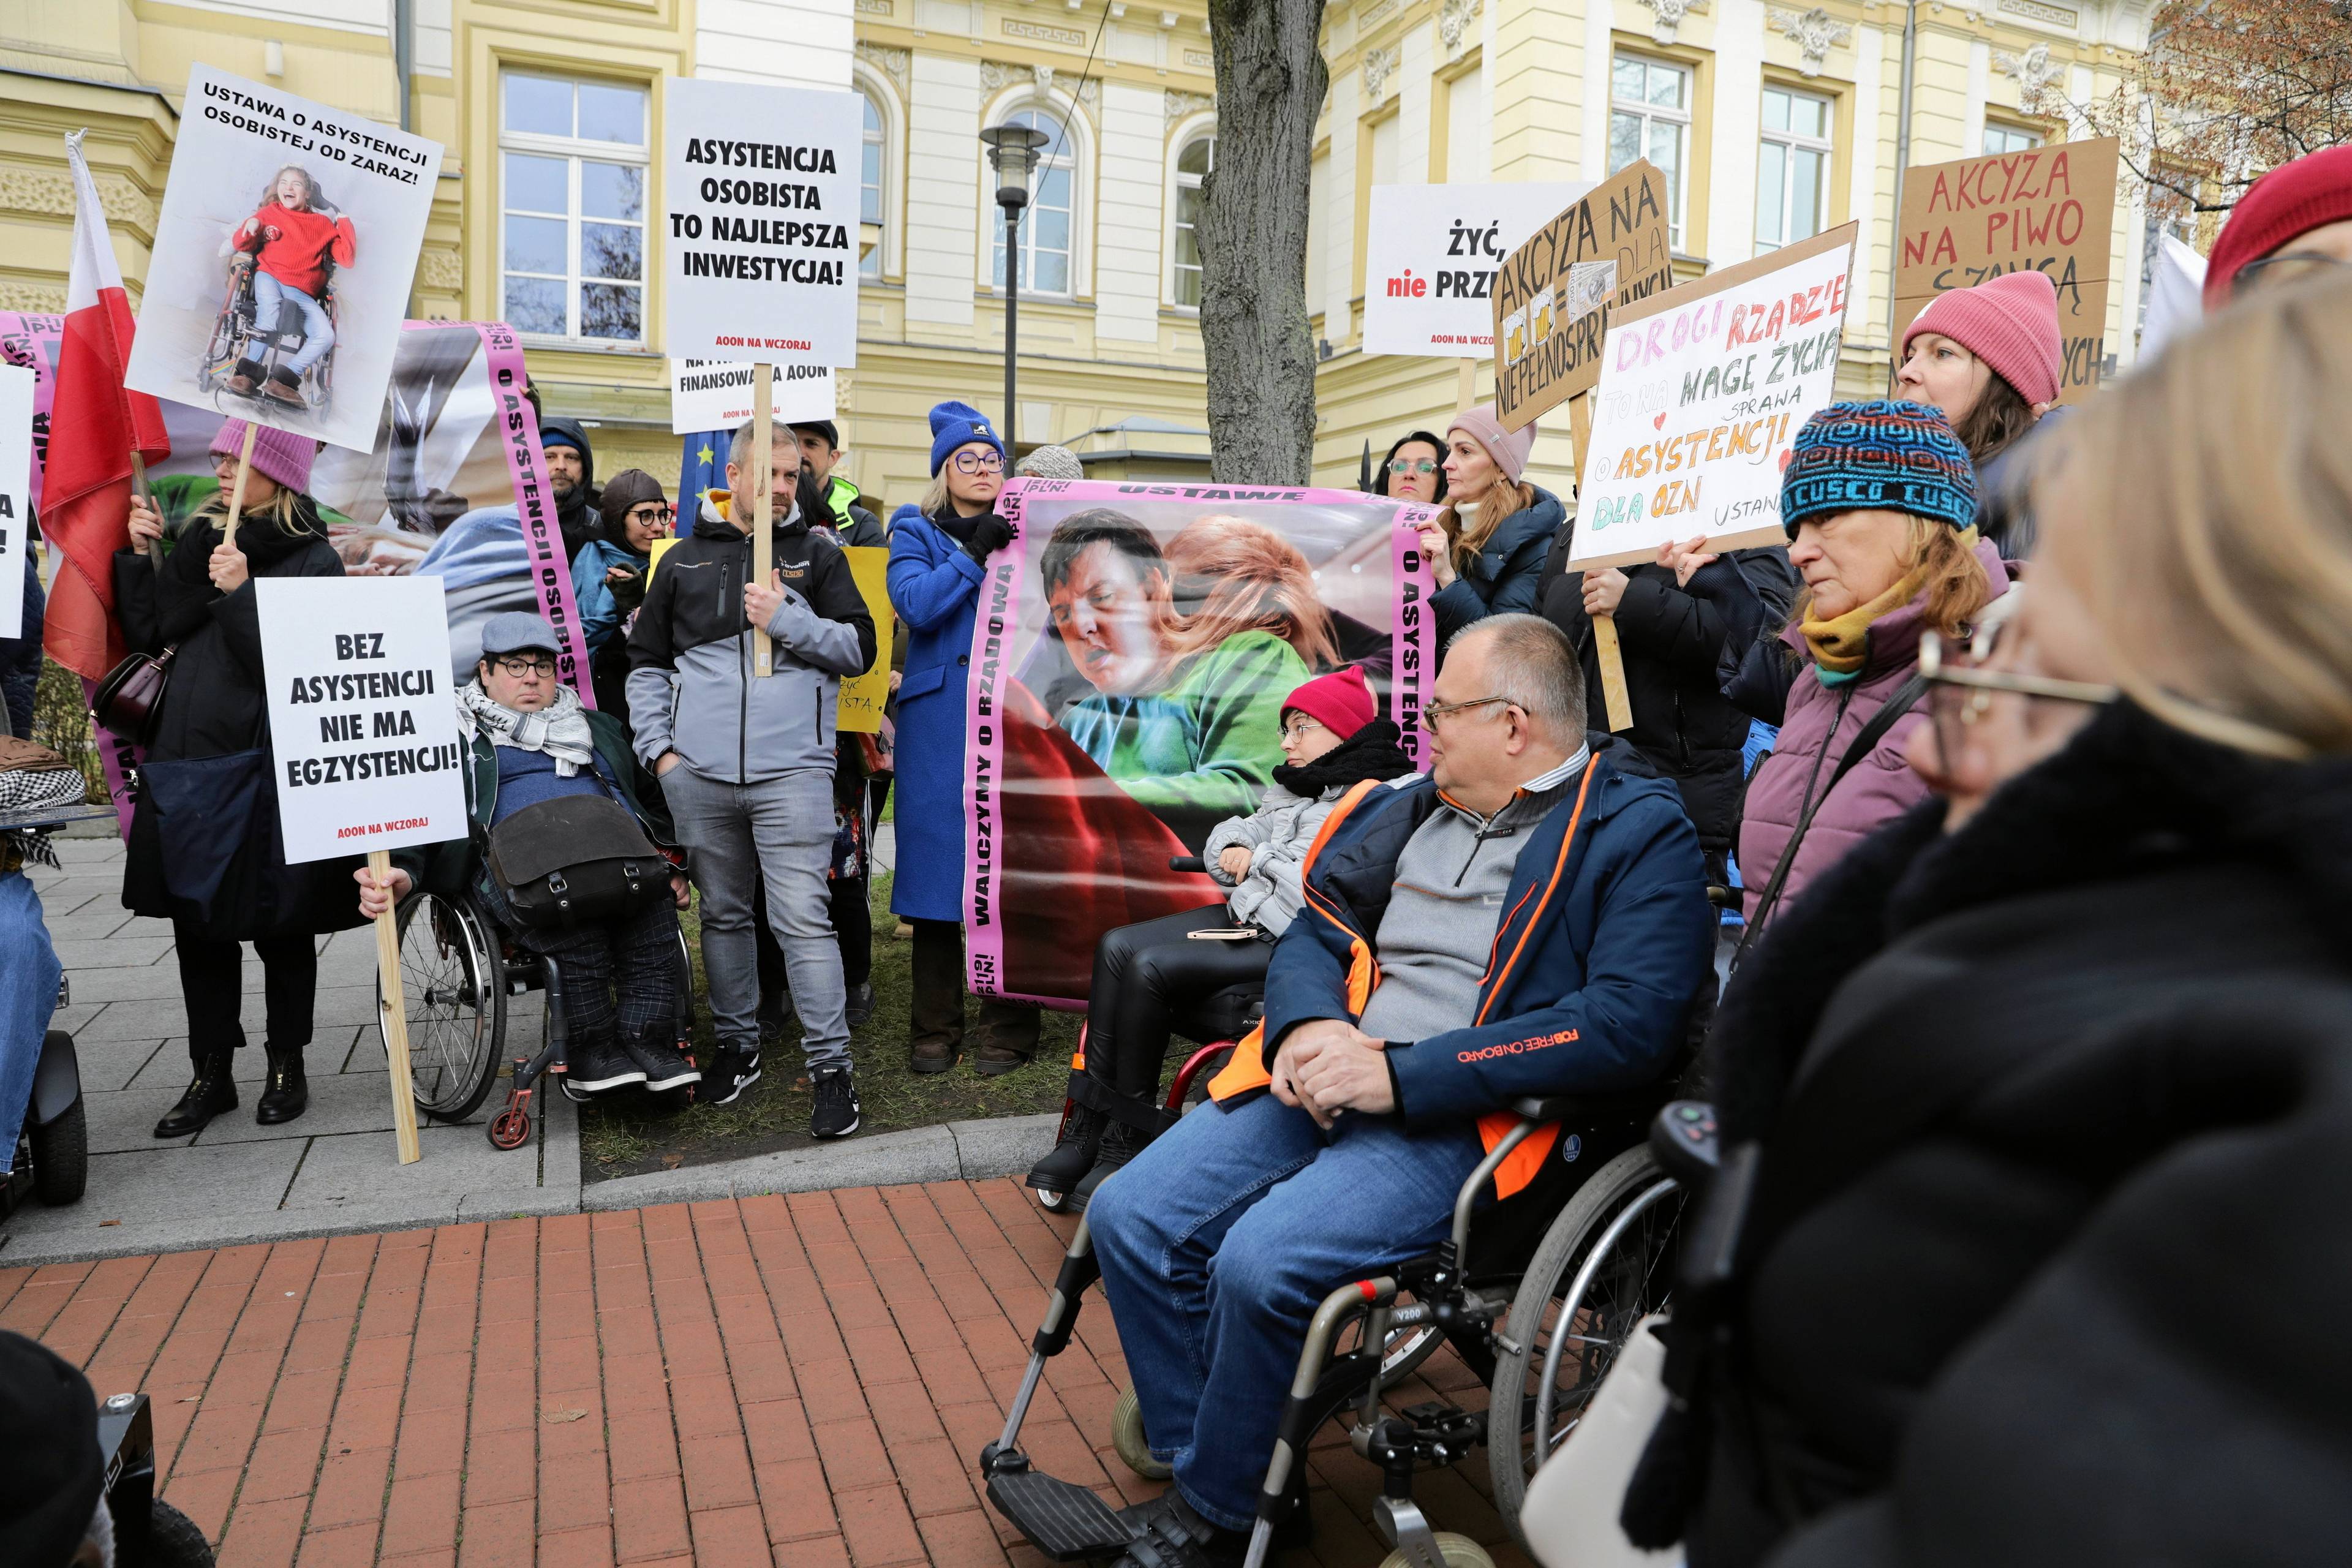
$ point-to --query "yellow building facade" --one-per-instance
(551, 110)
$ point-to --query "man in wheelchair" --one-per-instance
(1528, 919)
(534, 747)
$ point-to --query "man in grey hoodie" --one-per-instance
(746, 764)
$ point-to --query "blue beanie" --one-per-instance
(957, 425)
(1883, 455)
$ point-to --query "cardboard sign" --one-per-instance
(1429, 256)
(760, 238)
(15, 491)
(288, 241)
(363, 723)
(1703, 390)
(1554, 296)
(714, 395)
(859, 711)
(2049, 209)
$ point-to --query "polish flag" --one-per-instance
(95, 427)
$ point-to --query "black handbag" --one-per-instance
(578, 859)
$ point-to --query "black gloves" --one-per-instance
(989, 535)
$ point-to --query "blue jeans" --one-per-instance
(28, 995)
(1217, 1244)
(269, 298)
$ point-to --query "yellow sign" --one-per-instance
(859, 711)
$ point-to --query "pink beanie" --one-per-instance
(282, 455)
(2011, 322)
(2283, 206)
(1509, 449)
(1340, 702)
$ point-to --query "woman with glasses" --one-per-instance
(2295, 224)
(2040, 1106)
(608, 579)
(939, 558)
(1415, 470)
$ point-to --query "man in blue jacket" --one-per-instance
(1528, 920)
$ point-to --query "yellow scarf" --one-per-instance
(1841, 643)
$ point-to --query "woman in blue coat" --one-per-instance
(938, 554)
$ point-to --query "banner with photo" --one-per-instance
(1128, 662)
(34, 343)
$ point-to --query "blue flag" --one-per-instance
(703, 468)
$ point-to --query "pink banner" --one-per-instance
(542, 539)
(32, 342)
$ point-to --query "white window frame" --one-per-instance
(2019, 137)
(1792, 143)
(1203, 129)
(1647, 112)
(575, 150)
(1079, 140)
(894, 136)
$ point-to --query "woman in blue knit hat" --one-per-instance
(939, 557)
(1879, 502)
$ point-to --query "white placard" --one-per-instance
(15, 491)
(1700, 395)
(331, 208)
(712, 394)
(1430, 255)
(363, 724)
(760, 235)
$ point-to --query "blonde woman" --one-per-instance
(2044, 1067)
(1487, 549)
(1233, 575)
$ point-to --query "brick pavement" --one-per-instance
(802, 1380)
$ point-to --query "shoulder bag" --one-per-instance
(127, 700)
(578, 859)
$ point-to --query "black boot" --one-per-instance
(1121, 1142)
(285, 1093)
(211, 1092)
(1073, 1153)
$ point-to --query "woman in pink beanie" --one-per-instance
(1485, 550)
(1988, 357)
(2296, 220)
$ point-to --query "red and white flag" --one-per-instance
(95, 427)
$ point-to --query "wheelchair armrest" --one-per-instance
(1187, 863)
(1638, 1104)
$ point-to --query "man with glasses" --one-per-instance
(747, 762)
(1531, 918)
(2295, 222)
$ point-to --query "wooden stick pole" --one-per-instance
(1615, 699)
(1466, 388)
(763, 536)
(236, 490)
(140, 489)
(391, 1015)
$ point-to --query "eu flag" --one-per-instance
(703, 468)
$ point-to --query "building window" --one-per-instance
(1050, 220)
(869, 187)
(572, 198)
(1192, 165)
(1792, 168)
(1649, 116)
(1999, 138)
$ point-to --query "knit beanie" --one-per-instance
(2011, 322)
(2283, 205)
(1052, 463)
(282, 455)
(50, 1476)
(629, 487)
(1878, 456)
(1509, 449)
(957, 425)
(1340, 702)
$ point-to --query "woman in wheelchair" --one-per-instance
(537, 753)
(295, 237)
(1153, 976)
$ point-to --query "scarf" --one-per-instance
(1371, 753)
(561, 729)
(1841, 643)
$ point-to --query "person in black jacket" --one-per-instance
(200, 600)
(1672, 642)
(1487, 549)
(572, 475)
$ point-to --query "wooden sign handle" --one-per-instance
(1466, 388)
(1615, 699)
(763, 536)
(391, 1015)
(236, 490)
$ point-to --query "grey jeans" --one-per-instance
(781, 830)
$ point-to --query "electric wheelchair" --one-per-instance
(239, 324)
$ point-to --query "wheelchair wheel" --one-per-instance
(1127, 1437)
(1606, 1263)
(454, 981)
(1458, 1551)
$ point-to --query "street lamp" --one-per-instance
(1013, 152)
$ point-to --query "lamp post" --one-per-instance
(1013, 152)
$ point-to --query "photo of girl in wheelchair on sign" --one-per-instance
(275, 337)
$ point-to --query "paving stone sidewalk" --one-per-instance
(803, 1381)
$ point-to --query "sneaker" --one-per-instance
(732, 1072)
(861, 1005)
(596, 1066)
(664, 1066)
(836, 1104)
(1074, 1152)
(1121, 1142)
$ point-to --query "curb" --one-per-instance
(957, 1151)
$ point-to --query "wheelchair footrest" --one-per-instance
(1063, 1520)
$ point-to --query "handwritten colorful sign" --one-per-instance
(1554, 295)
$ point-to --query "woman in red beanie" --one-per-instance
(1150, 975)
(2296, 220)
(1988, 357)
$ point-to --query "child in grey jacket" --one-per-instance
(1151, 977)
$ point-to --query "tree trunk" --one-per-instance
(1270, 84)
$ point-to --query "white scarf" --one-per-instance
(561, 729)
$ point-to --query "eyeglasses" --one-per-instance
(516, 668)
(979, 462)
(2294, 266)
(1437, 713)
(652, 514)
(1411, 465)
(1298, 725)
(1961, 691)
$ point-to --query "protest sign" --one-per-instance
(282, 262)
(760, 235)
(716, 395)
(1702, 389)
(1553, 296)
(1429, 256)
(860, 709)
(35, 342)
(15, 491)
(1100, 743)
(2046, 209)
